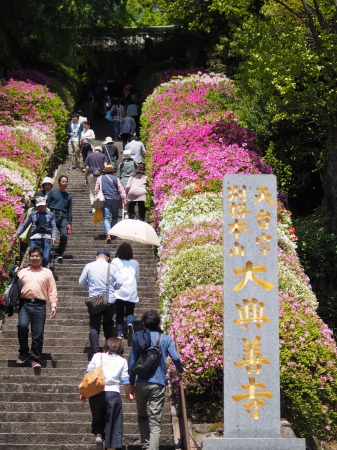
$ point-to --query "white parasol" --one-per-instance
(135, 230)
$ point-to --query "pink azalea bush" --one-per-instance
(32, 121)
(191, 143)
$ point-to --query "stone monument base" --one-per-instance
(253, 444)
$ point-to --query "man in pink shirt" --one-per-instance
(39, 289)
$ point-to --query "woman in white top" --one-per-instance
(86, 140)
(125, 269)
(106, 407)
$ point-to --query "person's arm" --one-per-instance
(137, 270)
(24, 226)
(121, 190)
(171, 350)
(128, 185)
(53, 229)
(86, 175)
(133, 127)
(83, 280)
(142, 149)
(52, 294)
(70, 212)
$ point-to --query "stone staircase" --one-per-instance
(40, 408)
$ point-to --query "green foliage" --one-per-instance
(308, 370)
(281, 170)
(187, 270)
(317, 248)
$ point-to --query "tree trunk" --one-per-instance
(329, 174)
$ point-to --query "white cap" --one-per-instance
(47, 180)
(98, 148)
(127, 152)
(40, 201)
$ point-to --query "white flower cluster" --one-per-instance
(198, 208)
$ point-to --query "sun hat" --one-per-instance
(47, 180)
(102, 251)
(109, 169)
(40, 201)
(108, 140)
(98, 148)
(127, 152)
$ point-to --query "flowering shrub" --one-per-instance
(191, 143)
(32, 120)
(188, 235)
(198, 208)
(197, 324)
(308, 369)
(32, 103)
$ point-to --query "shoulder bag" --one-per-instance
(99, 303)
(93, 382)
(99, 199)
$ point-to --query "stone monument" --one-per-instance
(251, 331)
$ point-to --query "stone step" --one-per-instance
(50, 441)
(65, 428)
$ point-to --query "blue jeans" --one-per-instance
(35, 315)
(115, 129)
(61, 224)
(111, 208)
(45, 245)
(124, 309)
(95, 327)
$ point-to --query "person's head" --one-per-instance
(47, 184)
(108, 141)
(114, 346)
(151, 320)
(35, 256)
(103, 254)
(134, 138)
(75, 118)
(63, 182)
(98, 148)
(127, 154)
(124, 251)
(41, 204)
(86, 124)
(140, 168)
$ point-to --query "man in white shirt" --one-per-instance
(96, 276)
(137, 149)
(74, 132)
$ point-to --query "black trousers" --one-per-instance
(95, 327)
(107, 417)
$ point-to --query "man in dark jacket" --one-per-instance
(60, 203)
(151, 391)
(43, 228)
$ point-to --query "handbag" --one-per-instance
(96, 173)
(99, 303)
(93, 382)
(99, 199)
(108, 116)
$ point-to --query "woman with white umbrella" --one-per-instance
(125, 269)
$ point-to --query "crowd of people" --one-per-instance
(51, 211)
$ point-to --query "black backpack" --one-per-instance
(12, 292)
(149, 357)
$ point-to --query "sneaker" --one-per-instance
(22, 359)
(69, 168)
(35, 364)
(130, 333)
(59, 259)
(120, 336)
(78, 168)
(99, 442)
(108, 239)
